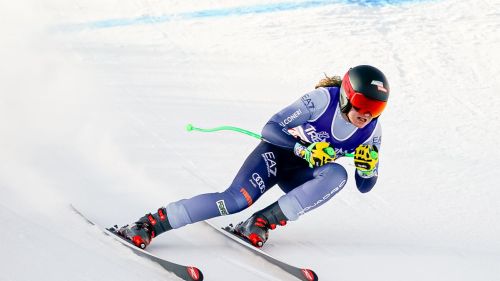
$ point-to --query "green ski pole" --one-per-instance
(190, 128)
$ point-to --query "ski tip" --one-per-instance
(194, 273)
(309, 274)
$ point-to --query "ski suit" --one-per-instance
(314, 117)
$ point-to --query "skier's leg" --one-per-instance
(326, 182)
(307, 189)
(257, 175)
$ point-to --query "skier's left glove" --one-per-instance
(366, 159)
(316, 154)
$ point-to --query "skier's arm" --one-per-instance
(308, 107)
(364, 182)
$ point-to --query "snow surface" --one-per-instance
(95, 96)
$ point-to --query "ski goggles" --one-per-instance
(365, 105)
(361, 103)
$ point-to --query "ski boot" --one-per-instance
(146, 228)
(256, 228)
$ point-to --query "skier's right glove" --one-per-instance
(316, 154)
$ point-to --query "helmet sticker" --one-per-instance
(379, 85)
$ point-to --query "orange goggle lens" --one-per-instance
(365, 105)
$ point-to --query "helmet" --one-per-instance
(365, 89)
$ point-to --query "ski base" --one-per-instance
(299, 273)
(188, 273)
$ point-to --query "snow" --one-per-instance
(95, 97)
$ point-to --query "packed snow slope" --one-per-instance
(95, 96)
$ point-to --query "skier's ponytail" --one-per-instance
(329, 81)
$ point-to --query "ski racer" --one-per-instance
(298, 152)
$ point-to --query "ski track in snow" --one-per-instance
(93, 113)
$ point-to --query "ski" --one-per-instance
(189, 273)
(299, 273)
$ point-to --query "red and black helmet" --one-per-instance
(365, 89)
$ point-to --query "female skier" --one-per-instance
(299, 147)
